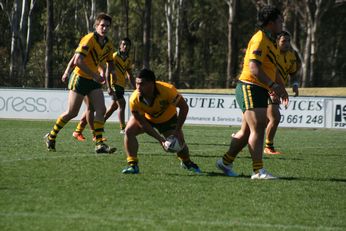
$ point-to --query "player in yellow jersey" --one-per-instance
(154, 111)
(93, 49)
(288, 65)
(116, 86)
(88, 115)
(257, 78)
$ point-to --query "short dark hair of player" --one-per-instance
(147, 75)
(266, 14)
(102, 16)
(127, 40)
(284, 33)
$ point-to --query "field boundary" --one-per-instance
(205, 109)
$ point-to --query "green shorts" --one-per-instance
(251, 96)
(82, 85)
(171, 124)
(119, 92)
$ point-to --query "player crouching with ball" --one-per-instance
(154, 106)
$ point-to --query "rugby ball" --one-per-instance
(172, 144)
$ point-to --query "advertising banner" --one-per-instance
(212, 109)
(224, 110)
(209, 109)
(39, 104)
(306, 112)
(339, 113)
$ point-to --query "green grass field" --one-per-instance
(74, 189)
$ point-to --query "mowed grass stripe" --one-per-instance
(75, 189)
(158, 151)
(202, 223)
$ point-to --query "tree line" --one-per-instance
(193, 44)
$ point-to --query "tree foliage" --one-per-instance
(203, 50)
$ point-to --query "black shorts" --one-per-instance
(119, 92)
(171, 124)
(82, 85)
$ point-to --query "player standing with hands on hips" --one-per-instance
(259, 75)
(93, 49)
(154, 106)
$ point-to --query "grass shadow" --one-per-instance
(189, 143)
(244, 176)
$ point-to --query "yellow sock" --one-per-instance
(132, 160)
(59, 124)
(228, 158)
(257, 165)
(98, 125)
(269, 143)
(79, 128)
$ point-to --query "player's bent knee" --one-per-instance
(132, 130)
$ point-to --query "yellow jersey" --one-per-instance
(93, 53)
(163, 106)
(123, 66)
(287, 64)
(264, 50)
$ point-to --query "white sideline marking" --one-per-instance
(111, 219)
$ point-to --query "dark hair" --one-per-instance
(266, 14)
(127, 40)
(147, 75)
(102, 16)
(284, 33)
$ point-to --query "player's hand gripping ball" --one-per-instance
(172, 144)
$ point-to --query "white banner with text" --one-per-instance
(209, 109)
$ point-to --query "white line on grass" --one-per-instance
(200, 223)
